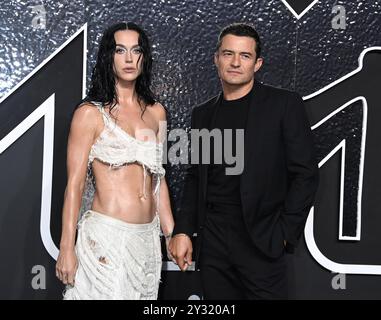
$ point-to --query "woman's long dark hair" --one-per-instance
(102, 87)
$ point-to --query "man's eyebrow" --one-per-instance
(227, 50)
(232, 51)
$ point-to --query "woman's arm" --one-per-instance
(165, 211)
(82, 134)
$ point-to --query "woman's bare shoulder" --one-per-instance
(88, 115)
(159, 110)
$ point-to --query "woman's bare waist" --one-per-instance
(129, 208)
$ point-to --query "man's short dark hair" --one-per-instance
(241, 30)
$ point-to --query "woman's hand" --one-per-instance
(66, 266)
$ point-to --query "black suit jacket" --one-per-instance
(280, 176)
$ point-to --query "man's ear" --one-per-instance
(258, 64)
(216, 58)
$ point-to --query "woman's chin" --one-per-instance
(127, 78)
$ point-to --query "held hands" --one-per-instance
(180, 248)
(66, 266)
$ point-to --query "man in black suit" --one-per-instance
(246, 222)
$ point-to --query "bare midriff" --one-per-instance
(120, 194)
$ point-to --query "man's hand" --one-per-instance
(181, 250)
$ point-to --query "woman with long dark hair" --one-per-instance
(117, 134)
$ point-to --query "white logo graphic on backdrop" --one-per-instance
(299, 15)
(309, 229)
(45, 110)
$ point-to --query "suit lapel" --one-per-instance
(214, 109)
(210, 125)
(253, 122)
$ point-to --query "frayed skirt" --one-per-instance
(116, 259)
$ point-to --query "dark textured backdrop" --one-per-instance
(303, 54)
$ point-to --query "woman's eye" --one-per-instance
(119, 50)
(137, 51)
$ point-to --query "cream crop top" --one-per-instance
(117, 148)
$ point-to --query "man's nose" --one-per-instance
(236, 61)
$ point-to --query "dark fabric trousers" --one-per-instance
(231, 267)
